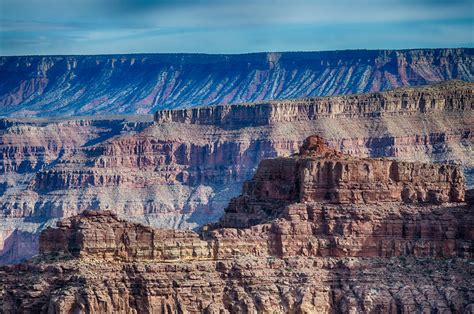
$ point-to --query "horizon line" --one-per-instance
(232, 54)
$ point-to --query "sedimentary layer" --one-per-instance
(242, 285)
(444, 98)
(302, 255)
(182, 173)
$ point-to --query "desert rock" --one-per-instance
(182, 169)
(297, 254)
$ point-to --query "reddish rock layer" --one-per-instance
(295, 254)
(297, 263)
(241, 285)
(103, 235)
(288, 190)
(320, 174)
(307, 229)
(182, 175)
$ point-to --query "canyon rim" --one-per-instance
(236, 156)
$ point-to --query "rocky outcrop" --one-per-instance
(38, 144)
(309, 256)
(326, 204)
(309, 229)
(241, 285)
(183, 174)
(103, 235)
(322, 174)
(67, 85)
(345, 180)
(289, 211)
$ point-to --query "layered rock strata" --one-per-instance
(309, 229)
(322, 174)
(182, 174)
(241, 285)
(308, 255)
(67, 85)
(104, 235)
(398, 102)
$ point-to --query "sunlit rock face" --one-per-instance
(181, 170)
(144, 83)
(279, 247)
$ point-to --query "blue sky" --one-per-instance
(230, 26)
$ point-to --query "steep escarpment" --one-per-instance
(181, 173)
(455, 96)
(126, 84)
(306, 255)
(29, 145)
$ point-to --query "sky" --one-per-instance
(31, 27)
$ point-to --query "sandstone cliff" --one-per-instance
(67, 85)
(182, 173)
(306, 255)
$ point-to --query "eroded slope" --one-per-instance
(144, 83)
(182, 171)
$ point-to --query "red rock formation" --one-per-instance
(316, 146)
(103, 235)
(320, 174)
(309, 256)
(182, 174)
(241, 285)
(300, 198)
(306, 221)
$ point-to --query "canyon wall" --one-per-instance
(404, 102)
(182, 173)
(143, 83)
(306, 255)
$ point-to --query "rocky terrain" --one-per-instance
(181, 170)
(318, 232)
(144, 83)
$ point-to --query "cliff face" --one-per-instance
(306, 255)
(68, 85)
(335, 178)
(453, 97)
(330, 204)
(182, 173)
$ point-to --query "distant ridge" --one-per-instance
(437, 98)
(41, 86)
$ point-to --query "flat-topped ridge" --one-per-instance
(452, 96)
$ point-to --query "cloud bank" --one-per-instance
(230, 26)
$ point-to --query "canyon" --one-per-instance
(180, 167)
(320, 231)
(42, 86)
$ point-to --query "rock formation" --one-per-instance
(406, 102)
(181, 170)
(297, 251)
(67, 85)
